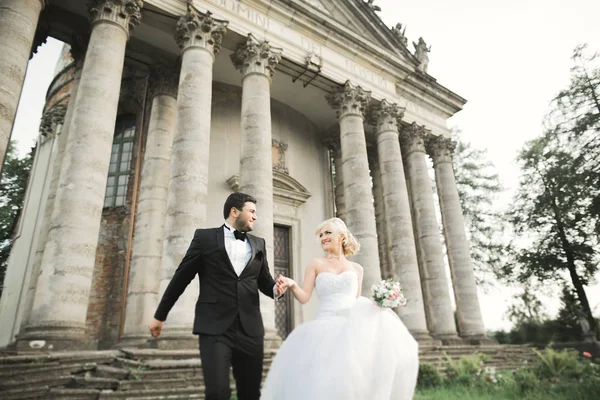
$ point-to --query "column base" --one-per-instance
(137, 341)
(55, 336)
(478, 340)
(448, 338)
(425, 340)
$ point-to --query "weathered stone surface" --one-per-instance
(256, 61)
(403, 261)
(18, 22)
(436, 295)
(350, 102)
(470, 321)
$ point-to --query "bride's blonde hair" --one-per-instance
(350, 245)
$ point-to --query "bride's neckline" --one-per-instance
(334, 274)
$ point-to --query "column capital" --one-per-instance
(256, 57)
(386, 116)
(125, 13)
(196, 29)
(51, 119)
(441, 148)
(413, 138)
(349, 99)
(164, 80)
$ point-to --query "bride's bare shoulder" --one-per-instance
(358, 268)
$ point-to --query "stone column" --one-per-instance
(147, 247)
(199, 36)
(438, 308)
(470, 322)
(350, 102)
(404, 264)
(380, 215)
(257, 61)
(18, 23)
(333, 143)
(63, 289)
(58, 160)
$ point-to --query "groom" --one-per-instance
(232, 267)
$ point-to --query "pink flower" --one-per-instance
(586, 354)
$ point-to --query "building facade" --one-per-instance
(161, 108)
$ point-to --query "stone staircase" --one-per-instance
(148, 374)
(501, 357)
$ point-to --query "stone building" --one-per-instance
(161, 108)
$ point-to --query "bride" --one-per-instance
(354, 349)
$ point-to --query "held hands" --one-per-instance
(283, 284)
(156, 327)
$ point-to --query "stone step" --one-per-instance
(155, 384)
(79, 357)
(106, 371)
(155, 394)
(34, 371)
(40, 392)
(90, 382)
(183, 373)
(74, 394)
(37, 382)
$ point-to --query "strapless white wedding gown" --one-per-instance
(353, 350)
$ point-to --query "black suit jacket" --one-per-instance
(223, 295)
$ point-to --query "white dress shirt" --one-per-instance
(239, 252)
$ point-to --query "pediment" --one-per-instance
(359, 17)
(286, 190)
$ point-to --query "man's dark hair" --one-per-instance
(236, 200)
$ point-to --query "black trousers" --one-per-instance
(233, 349)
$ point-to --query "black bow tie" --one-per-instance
(240, 235)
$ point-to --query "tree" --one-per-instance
(478, 185)
(12, 194)
(575, 115)
(556, 240)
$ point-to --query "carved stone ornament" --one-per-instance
(440, 148)
(256, 57)
(400, 32)
(413, 138)
(51, 119)
(386, 116)
(125, 13)
(286, 190)
(349, 99)
(196, 29)
(279, 149)
(164, 80)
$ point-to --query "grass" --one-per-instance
(503, 393)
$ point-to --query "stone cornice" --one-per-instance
(256, 57)
(196, 29)
(163, 81)
(440, 148)
(413, 138)
(286, 190)
(386, 117)
(125, 13)
(349, 100)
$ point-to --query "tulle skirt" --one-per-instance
(367, 354)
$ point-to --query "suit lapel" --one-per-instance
(222, 250)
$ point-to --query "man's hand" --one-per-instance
(283, 284)
(156, 327)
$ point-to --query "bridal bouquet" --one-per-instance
(388, 293)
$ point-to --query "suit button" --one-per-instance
(239, 279)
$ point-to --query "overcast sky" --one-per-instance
(507, 58)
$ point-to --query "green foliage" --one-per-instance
(525, 380)
(478, 186)
(556, 211)
(13, 185)
(555, 365)
(429, 376)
